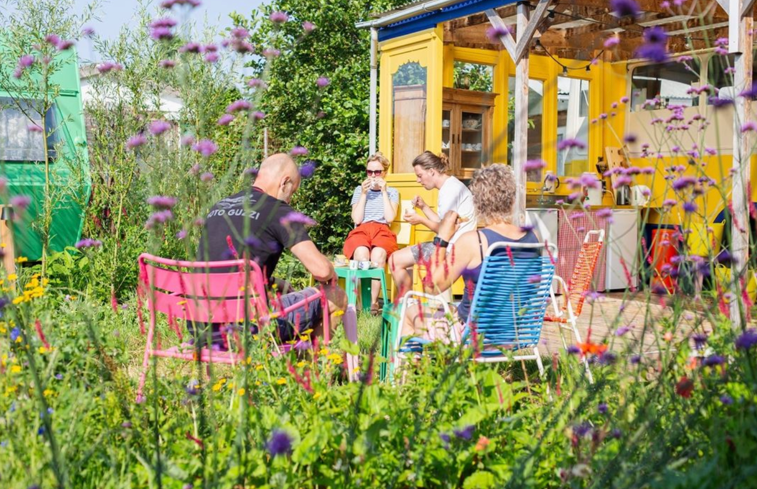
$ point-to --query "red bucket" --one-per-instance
(663, 250)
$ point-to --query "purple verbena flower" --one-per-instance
(167, 63)
(602, 408)
(161, 33)
(308, 27)
(64, 45)
(187, 140)
(689, 207)
(747, 339)
(258, 115)
(573, 350)
(726, 400)
(297, 217)
(322, 82)
(159, 127)
(257, 83)
(622, 330)
(570, 143)
(108, 66)
(191, 47)
(683, 183)
(205, 147)
(466, 433)
(713, 360)
(163, 22)
(88, 243)
(238, 106)
(34, 128)
(271, 52)
(278, 17)
(700, 340)
(581, 430)
(136, 141)
(307, 169)
(611, 42)
(625, 8)
(211, 57)
(494, 33)
(159, 217)
(280, 443)
(181, 234)
(225, 120)
(531, 165)
(161, 201)
(298, 151)
(749, 126)
(207, 176)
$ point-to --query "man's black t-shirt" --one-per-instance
(272, 226)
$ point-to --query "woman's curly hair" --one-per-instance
(493, 190)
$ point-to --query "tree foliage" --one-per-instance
(331, 122)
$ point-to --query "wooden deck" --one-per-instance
(607, 318)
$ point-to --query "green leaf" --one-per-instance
(479, 480)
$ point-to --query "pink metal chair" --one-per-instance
(186, 290)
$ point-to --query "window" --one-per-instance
(535, 112)
(409, 115)
(573, 123)
(720, 75)
(668, 83)
(17, 142)
(472, 76)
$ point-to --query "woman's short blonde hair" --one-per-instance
(493, 190)
(378, 156)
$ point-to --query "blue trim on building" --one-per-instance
(428, 20)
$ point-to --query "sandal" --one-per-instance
(375, 310)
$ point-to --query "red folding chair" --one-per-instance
(188, 291)
(578, 285)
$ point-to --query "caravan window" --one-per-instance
(17, 142)
(669, 83)
(720, 75)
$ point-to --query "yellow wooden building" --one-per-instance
(446, 82)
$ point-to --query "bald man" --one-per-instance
(260, 222)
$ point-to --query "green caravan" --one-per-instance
(51, 165)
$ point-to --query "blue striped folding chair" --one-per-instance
(508, 306)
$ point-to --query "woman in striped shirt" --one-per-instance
(374, 206)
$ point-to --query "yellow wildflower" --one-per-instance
(18, 300)
(181, 303)
(12, 276)
(21, 259)
(217, 387)
(43, 350)
(249, 360)
(15, 369)
(10, 390)
(336, 358)
(257, 382)
(308, 331)
(48, 392)
(338, 313)
(241, 391)
(324, 351)
(259, 367)
(301, 364)
(281, 381)
(316, 395)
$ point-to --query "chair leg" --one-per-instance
(349, 321)
(145, 361)
(538, 361)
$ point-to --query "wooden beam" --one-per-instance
(525, 36)
(746, 9)
(520, 138)
(507, 38)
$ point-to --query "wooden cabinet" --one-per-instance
(467, 129)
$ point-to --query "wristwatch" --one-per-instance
(440, 242)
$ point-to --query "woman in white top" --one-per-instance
(431, 172)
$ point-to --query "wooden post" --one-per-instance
(740, 42)
(520, 141)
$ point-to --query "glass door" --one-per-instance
(473, 148)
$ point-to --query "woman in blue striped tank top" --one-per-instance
(493, 190)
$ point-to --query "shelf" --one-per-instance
(471, 151)
(472, 130)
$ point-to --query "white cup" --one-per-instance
(353, 264)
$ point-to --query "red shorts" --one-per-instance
(371, 235)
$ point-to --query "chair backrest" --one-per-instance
(511, 295)
(195, 292)
(583, 273)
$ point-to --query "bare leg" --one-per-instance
(378, 256)
(399, 262)
(362, 253)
